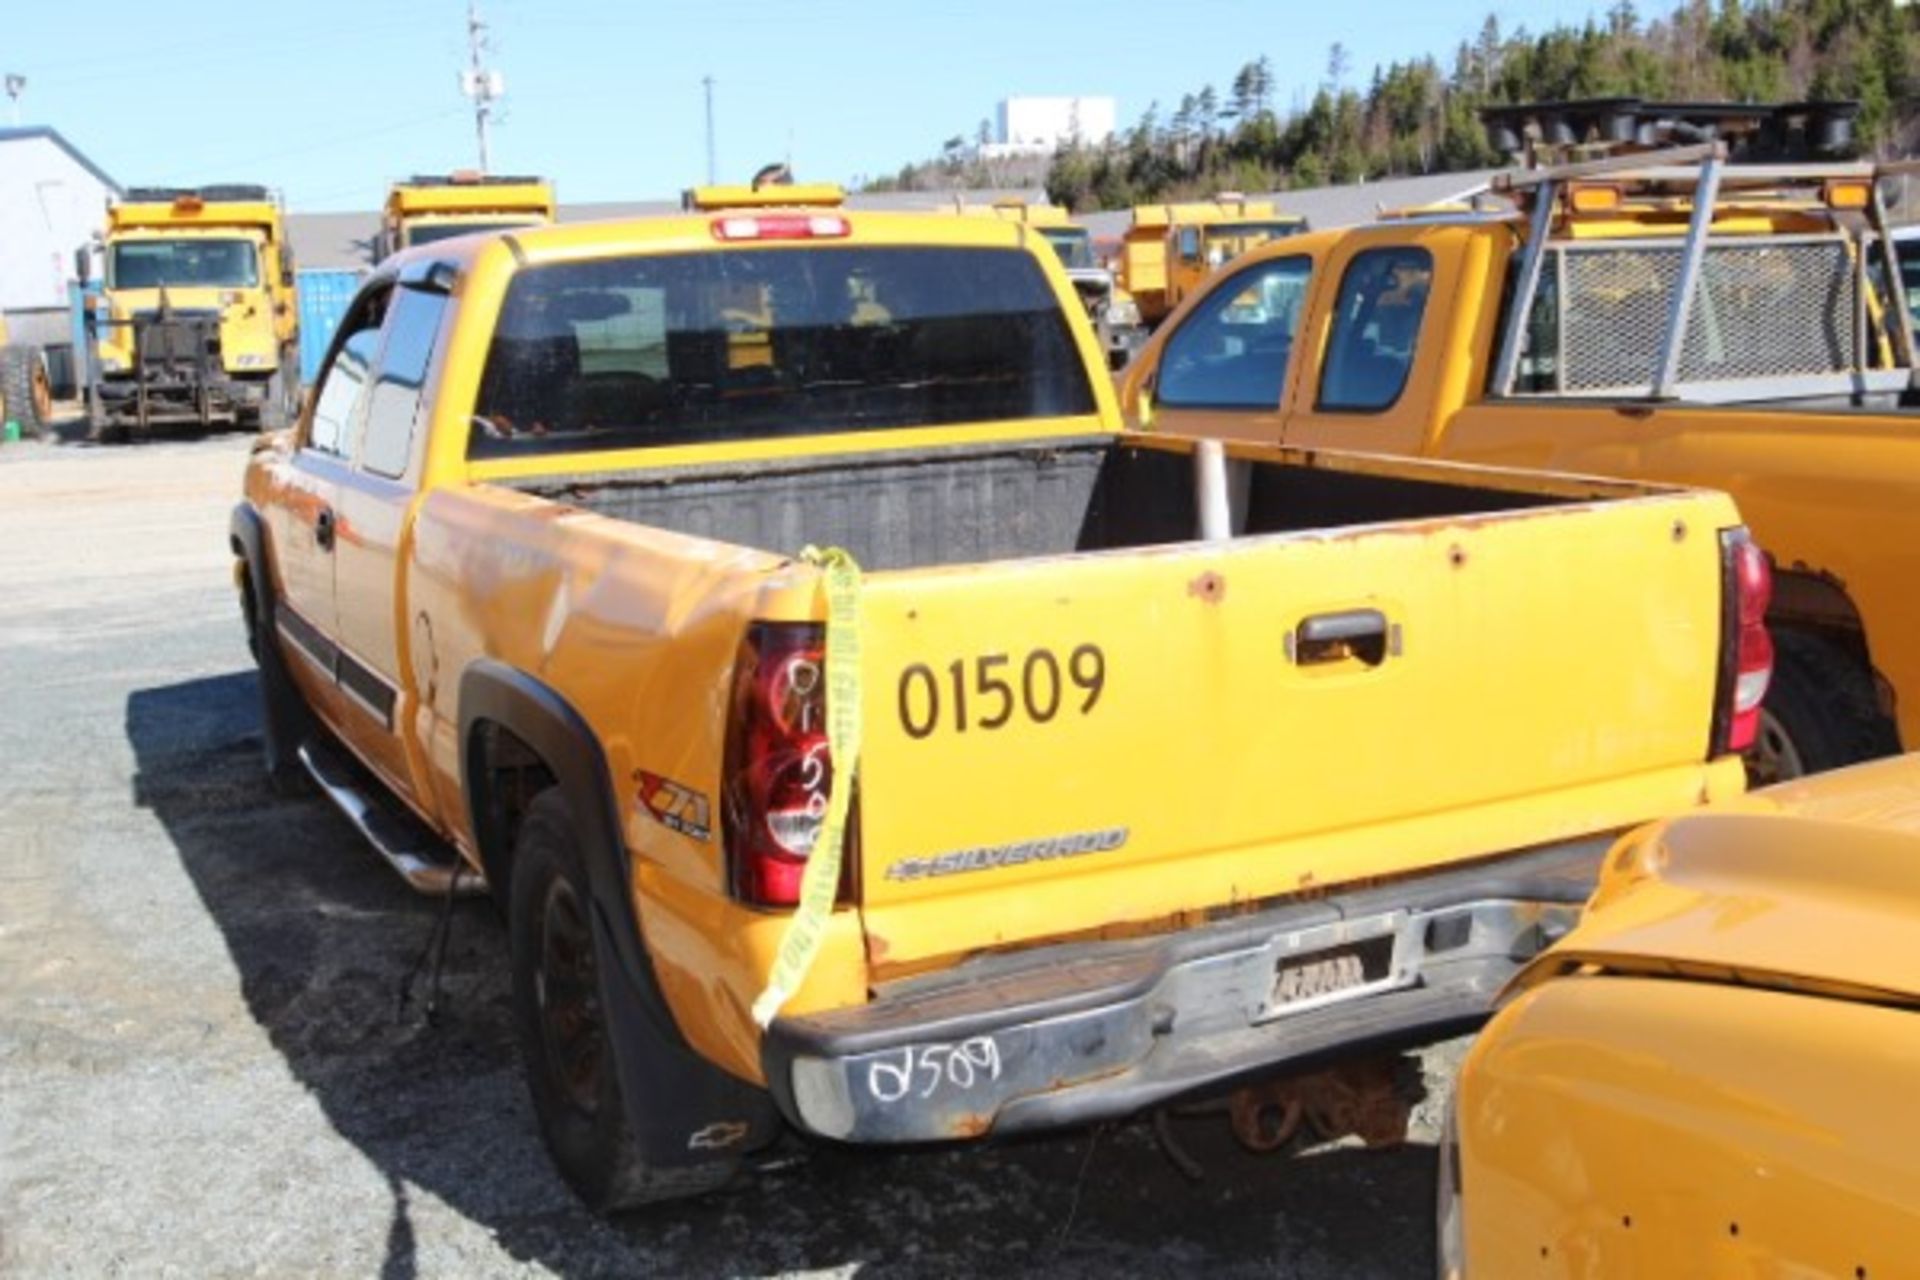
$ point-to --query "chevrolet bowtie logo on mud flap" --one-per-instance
(994, 857)
(676, 807)
(718, 1136)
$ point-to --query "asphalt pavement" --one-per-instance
(215, 1058)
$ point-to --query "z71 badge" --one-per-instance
(676, 807)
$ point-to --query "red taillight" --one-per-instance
(781, 226)
(779, 770)
(1746, 663)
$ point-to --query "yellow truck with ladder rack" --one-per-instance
(1671, 317)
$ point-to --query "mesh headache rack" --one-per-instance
(1669, 273)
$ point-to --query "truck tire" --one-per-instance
(1821, 712)
(27, 390)
(560, 1014)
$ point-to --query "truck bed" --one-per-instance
(926, 508)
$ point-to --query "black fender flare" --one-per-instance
(681, 1108)
(247, 535)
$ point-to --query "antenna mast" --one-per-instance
(479, 83)
(712, 168)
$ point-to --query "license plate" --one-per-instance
(1319, 977)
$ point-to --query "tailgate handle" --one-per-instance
(1359, 634)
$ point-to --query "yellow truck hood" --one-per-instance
(1809, 886)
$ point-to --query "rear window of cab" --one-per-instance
(661, 349)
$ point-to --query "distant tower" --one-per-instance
(479, 83)
(712, 168)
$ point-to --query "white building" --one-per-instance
(1040, 126)
(52, 200)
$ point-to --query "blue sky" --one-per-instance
(328, 101)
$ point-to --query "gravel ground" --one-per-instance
(210, 1066)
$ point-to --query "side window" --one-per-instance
(342, 388)
(1376, 329)
(395, 402)
(1190, 244)
(1231, 353)
(1539, 370)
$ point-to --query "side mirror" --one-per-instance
(286, 266)
(82, 264)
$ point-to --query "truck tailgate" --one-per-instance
(1058, 745)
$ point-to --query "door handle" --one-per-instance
(1361, 634)
(323, 528)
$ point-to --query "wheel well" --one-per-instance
(1806, 600)
(505, 775)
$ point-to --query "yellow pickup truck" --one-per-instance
(1669, 318)
(1119, 768)
(1713, 1075)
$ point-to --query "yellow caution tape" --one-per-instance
(820, 883)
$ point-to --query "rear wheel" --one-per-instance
(27, 389)
(561, 1015)
(1821, 712)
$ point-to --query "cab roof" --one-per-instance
(692, 232)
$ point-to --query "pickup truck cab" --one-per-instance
(1742, 999)
(1667, 318)
(1162, 764)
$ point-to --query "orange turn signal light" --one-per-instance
(1845, 194)
(1595, 197)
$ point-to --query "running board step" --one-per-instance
(422, 859)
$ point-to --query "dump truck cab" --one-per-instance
(196, 319)
(1116, 318)
(429, 207)
(1170, 248)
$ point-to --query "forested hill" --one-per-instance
(1422, 116)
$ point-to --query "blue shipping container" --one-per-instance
(324, 297)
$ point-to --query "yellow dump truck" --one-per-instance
(1170, 248)
(862, 733)
(197, 321)
(428, 207)
(1116, 318)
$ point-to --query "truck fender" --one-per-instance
(676, 1099)
(287, 722)
(247, 535)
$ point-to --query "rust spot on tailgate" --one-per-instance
(1209, 587)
